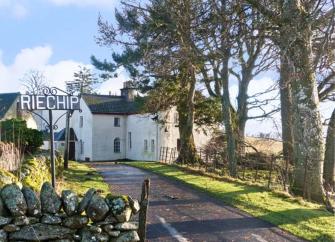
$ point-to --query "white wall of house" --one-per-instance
(104, 134)
(144, 137)
(84, 132)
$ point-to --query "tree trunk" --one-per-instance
(229, 118)
(329, 164)
(286, 108)
(187, 153)
(296, 39)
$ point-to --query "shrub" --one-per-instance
(17, 132)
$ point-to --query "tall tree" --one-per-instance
(233, 49)
(294, 20)
(84, 81)
(157, 40)
(329, 164)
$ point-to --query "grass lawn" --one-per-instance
(307, 220)
(80, 177)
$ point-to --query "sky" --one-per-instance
(57, 36)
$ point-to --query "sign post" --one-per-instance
(50, 101)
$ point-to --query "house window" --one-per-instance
(145, 145)
(152, 145)
(116, 122)
(81, 147)
(81, 122)
(129, 139)
(117, 145)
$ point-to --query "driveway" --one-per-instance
(180, 213)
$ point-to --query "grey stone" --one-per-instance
(102, 237)
(124, 216)
(33, 220)
(94, 229)
(21, 220)
(97, 208)
(4, 221)
(134, 204)
(86, 200)
(130, 236)
(117, 205)
(87, 236)
(108, 227)
(127, 226)
(111, 219)
(114, 233)
(3, 210)
(50, 201)
(63, 240)
(50, 219)
(11, 228)
(33, 203)
(14, 200)
(3, 235)
(75, 222)
(70, 202)
(42, 232)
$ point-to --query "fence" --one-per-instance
(267, 170)
(10, 157)
(168, 155)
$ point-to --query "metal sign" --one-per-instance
(50, 101)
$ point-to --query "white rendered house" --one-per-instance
(112, 128)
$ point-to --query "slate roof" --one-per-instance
(60, 136)
(108, 104)
(6, 101)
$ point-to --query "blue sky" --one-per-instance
(53, 36)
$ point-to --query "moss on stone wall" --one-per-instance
(7, 177)
(34, 172)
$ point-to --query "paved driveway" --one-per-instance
(180, 213)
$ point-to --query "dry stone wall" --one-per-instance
(51, 217)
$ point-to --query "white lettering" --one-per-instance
(39, 102)
(48, 102)
(25, 102)
(63, 102)
(74, 100)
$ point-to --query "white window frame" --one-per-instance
(117, 145)
(117, 124)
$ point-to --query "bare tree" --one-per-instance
(34, 81)
(293, 22)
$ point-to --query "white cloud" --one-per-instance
(85, 3)
(57, 74)
(14, 7)
(35, 58)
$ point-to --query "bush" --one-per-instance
(17, 132)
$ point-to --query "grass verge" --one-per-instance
(306, 220)
(80, 177)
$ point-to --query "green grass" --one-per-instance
(80, 177)
(307, 220)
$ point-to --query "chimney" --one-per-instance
(128, 91)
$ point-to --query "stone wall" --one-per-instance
(26, 217)
(10, 157)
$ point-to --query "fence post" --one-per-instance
(142, 229)
(270, 172)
